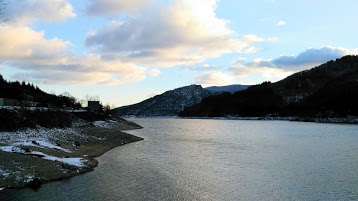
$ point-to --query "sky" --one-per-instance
(125, 51)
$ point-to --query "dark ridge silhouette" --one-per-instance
(329, 90)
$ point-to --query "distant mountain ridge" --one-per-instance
(329, 90)
(169, 103)
(229, 88)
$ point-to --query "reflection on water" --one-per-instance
(182, 159)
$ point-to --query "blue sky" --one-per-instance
(126, 51)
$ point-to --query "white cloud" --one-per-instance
(90, 69)
(180, 32)
(48, 60)
(280, 67)
(24, 43)
(281, 23)
(154, 72)
(115, 7)
(204, 67)
(272, 39)
(239, 61)
(306, 59)
(270, 74)
(213, 78)
(25, 12)
(251, 39)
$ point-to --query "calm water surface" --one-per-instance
(182, 159)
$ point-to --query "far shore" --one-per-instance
(339, 120)
(35, 156)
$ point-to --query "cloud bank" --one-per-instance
(273, 69)
(25, 12)
(180, 32)
(49, 61)
(282, 66)
(143, 33)
(306, 59)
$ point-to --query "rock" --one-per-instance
(77, 143)
(58, 144)
(27, 150)
(35, 183)
(34, 142)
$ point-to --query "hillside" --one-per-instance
(329, 90)
(169, 103)
(26, 94)
(303, 84)
(229, 88)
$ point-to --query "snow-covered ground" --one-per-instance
(44, 137)
(21, 108)
(48, 144)
(41, 108)
(40, 143)
(104, 124)
(101, 124)
(79, 162)
(4, 173)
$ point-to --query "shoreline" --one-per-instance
(338, 120)
(45, 162)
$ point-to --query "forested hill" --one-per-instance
(302, 84)
(22, 91)
(229, 88)
(329, 90)
(169, 103)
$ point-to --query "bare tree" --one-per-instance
(92, 98)
(83, 102)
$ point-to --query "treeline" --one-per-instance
(12, 120)
(53, 116)
(330, 90)
(333, 100)
(15, 119)
(336, 99)
(255, 101)
(23, 91)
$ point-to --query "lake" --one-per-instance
(188, 159)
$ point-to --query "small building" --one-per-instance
(8, 102)
(94, 106)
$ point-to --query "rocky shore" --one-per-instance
(31, 157)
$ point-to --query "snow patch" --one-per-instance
(40, 143)
(12, 149)
(44, 135)
(101, 124)
(4, 173)
(79, 162)
(29, 178)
